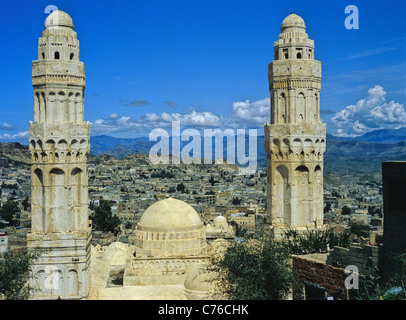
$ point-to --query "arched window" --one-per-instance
(42, 55)
(299, 52)
(56, 55)
(71, 56)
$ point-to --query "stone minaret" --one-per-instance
(59, 145)
(295, 140)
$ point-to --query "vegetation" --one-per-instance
(392, 289)
(9, 211)
(103, 219)
(255, 269)
(14, 274)
(345, 210)
(239, 231)
(360, 230)
(181, 188)
(162, 174)
(314, 241)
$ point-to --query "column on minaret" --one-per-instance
(295, 139)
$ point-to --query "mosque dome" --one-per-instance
(58, 18)
(293, 22)
(220, 222)
(170, 215)
(170, 227)
(116, 254)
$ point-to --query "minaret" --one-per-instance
(295, 140)
(59, 145)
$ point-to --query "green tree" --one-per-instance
(345, 210)
(236, 201)
(14, 274)
(360, 230)
(255, 269)
(314, 241)
(103, 219)
(9, 210)
(26, 204)
(181, 187)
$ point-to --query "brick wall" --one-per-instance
(320, 274)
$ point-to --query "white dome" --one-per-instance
(170, 227)
(293, 22)
(58, 18)
(115, 254)
(170, 215)
(220, 221)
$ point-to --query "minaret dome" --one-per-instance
(293, 23)
(58, 18)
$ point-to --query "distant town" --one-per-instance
(132, 184)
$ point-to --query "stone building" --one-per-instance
(295, 140)
(59, 145)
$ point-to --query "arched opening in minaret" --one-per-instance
(282, 108)
(299, 53)
(42, 55)
(37, 197)
(76, 181)
(300, 107)
(71, 56)
(57, 200)
(282, 197)
(303, 213)
(318, 196)
(56, 55)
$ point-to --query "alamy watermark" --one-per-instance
(352, 20)
(168, 149)
(352, 281)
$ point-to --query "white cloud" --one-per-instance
(7, 126)
(23, 135)
(369, 114)
(192, 119)
(114, 123)
(252, 114)
(242, 115)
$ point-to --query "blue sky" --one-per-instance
(204, 63)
